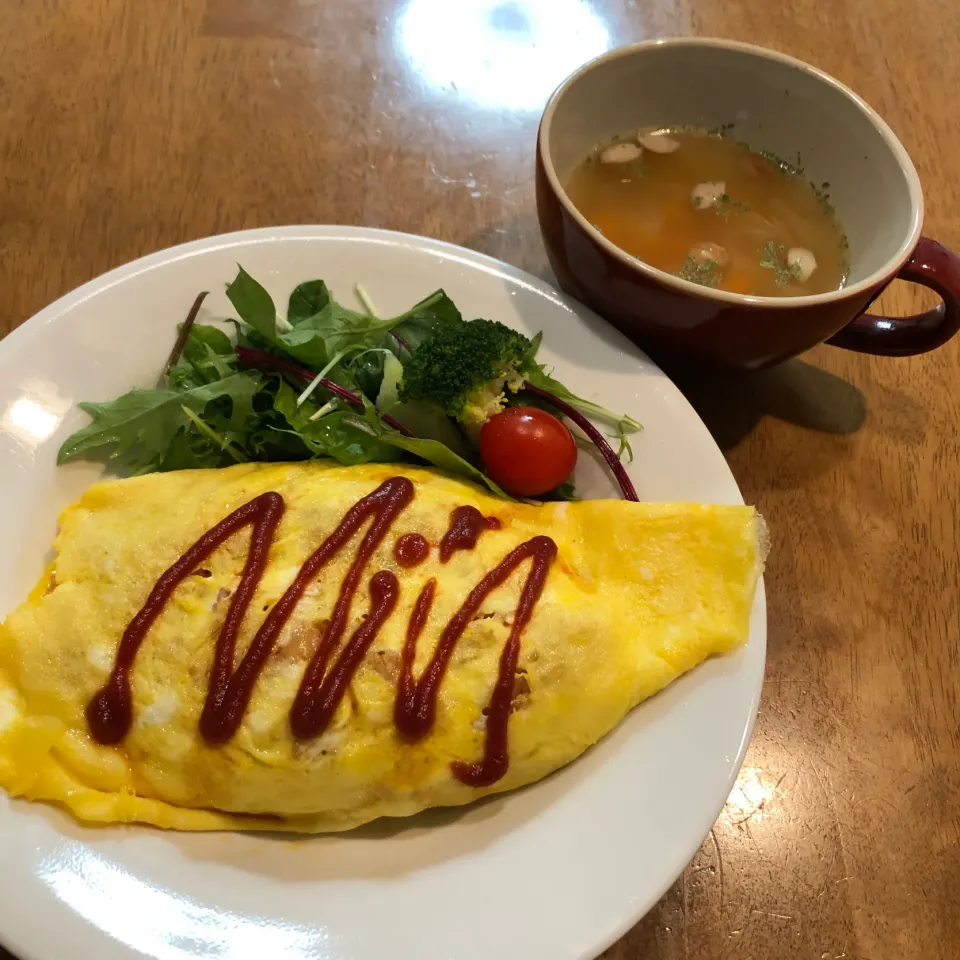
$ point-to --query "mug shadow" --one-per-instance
(795, 392)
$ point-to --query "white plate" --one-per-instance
(558, 870)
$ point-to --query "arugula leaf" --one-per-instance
(529, 358)
(285, 404)
(138, 428)
(315, 337)
(306, 300)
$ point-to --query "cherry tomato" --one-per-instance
(526, 451)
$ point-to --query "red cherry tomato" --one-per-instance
(526, 451)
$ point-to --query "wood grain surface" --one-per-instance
(126, 127)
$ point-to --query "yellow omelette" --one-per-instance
(407, 641)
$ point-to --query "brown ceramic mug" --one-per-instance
(777, 104)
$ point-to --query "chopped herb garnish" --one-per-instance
(705, 272)
(725, 205)
(772, 257)
(844, 262)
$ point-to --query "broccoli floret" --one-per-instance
(465, 369)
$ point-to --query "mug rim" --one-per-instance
(886, 272)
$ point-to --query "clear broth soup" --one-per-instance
(711, 210)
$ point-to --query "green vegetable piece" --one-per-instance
(345, 436)
(537, 375)
(426, 318)
(443, 457)
(306, 300)
(138, 428)
(432, 451)
(209, 353)
(388, 396)
(465, 368)
(254, 305)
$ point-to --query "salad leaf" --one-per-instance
(254, 305)
(256, 309)
(306, 300)
(313, 338)
(324, 382)
(138, 428)
(214, 338)
(209, 354)
(346, 437)
(433, 451)
(367, 370)
(339, 328)
(387, 395)
(427, 421)
(424, 319)
(537, 375)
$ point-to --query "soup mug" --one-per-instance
(773, 103)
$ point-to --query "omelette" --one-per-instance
(308, 647)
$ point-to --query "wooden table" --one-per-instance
(126, 127)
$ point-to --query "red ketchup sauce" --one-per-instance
(411, 550)
(466, 525)
(110, 712)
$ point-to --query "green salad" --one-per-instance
(467, 396)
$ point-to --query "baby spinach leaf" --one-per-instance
(306, 300)
(212, 337)
(425, 318)
(433, 451)
(440, 455)
(254, 305)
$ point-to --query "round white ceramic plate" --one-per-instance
(558, 870)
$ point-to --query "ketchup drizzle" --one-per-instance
(415, 710)
(466, 525)
(383, 505)
(411, 550)
(109, 713)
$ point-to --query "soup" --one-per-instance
(711, 210)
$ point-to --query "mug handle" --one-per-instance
(931, 265)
